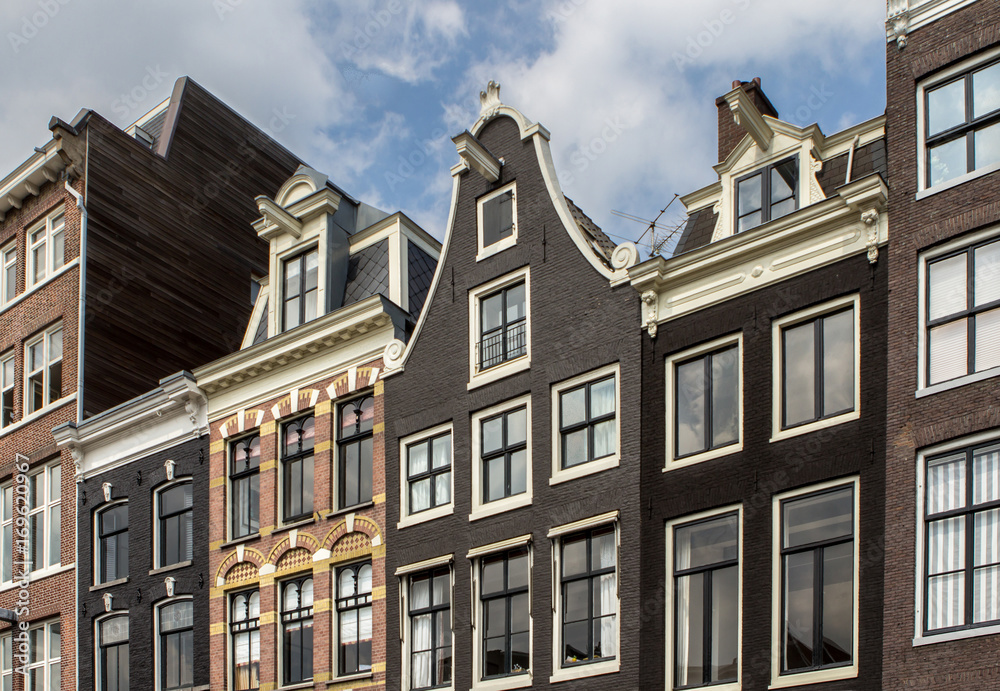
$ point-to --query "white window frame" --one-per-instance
(483, 251)
(504, 369)
(405, 517)
(919, 638)
(404, 573)
(924, 388)
(474, 556)
(97, 640)
(47, 661)
(778, 680)
(8, 384)
(230, 596)
(157, 662)
(157, 493)
(5, 523)
(7, 646)
(669, 600)
(45, 338)
(98, 558)
(777, 326)
(335, 633)
(556, 535)
(560, 474)
(54, 224)
(516, 501)
(46, 511)
(283, 259)
(9, 259)
(969, 65)
(671, 364)
(230, 501)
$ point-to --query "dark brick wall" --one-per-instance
(144, 590)
(915, 423)
(578, 323)
(764, 469)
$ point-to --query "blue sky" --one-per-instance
(371, 91)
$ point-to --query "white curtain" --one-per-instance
(420, 675)
(682, 612)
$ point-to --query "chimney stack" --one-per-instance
(731, 134)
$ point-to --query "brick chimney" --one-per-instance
(731, 134)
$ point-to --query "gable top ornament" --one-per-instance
(489, 100)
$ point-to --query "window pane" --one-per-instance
(749, 195)
(312, 270)
(574, 556)
(517, 569)
(725, 397)
(986, 482)
(605, 441)
(987, 538)
(820, 517)
(418, 458)
(946, 107)
(574, 448)
(945, 601)
(986, 594)
(691, 407)
(492, 312)
(986, 90)
(946, 484)
(603, 550)
(838, 363)
(420, 495)
(987, 146)
(838, 603)
(689, 598)
(948, 161)
(987, 340)
(442, 489)
(492, 434)
(515, 302)
(750, 221)
(493, 575)
(783, 182)
(987, 260)
(949, 351)
(602, 398)
(517, 427)
(799, 374)
(55, 487)
(54, 543)
(725, 624)
(442, 451)
(293, 275)
(176, 616)
(946, 545)
(573, 406)
(518, 472)
(495, 479)
(799, 613)
(707, 542)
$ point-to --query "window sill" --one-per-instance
(170, 567)
(301, 685)
(425, 516)
(816, 677)
(960, 381)
(516, 681)
(500, 506)
(109, 584)
(583, 470)
(498, 372)
(38, 286)
(240, 541)
(722, 451)
(36, 576)
(955, 182)
(498, 246)
(933, 638)
(813, 426)
(349, 677)
(594, 669)
(295, 524)
(349, 509)
(38, 414)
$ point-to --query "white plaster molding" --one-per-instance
(870, 219)
(489, 100)
(169, 582)
(649, 299)
(898, 21)
(169, 465)
(624, 256)
(108, 597)
(392, 358)
(747, 116)
(475, 155)
(106, 489)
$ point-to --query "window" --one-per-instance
(497, 212)
(506, 620)
(7, 518)
(816, 365)
(297, 469)
(962, 318)
(46, 244)
(301, 298)
(8, 286)
(501, 475)
(704, 587)
(499, 328)
(430, 629)
(7, 662)
(112, 654)
(961, 507)
(244, 486)
(44, 516)
(44, 656)
(704, 402)
(767, 194)
(297, 630)
(44, 370)
(427, 486)
(354, 619)
(817, 581)
(357, 422)
(112, 543)
(7, 391)
(174, 507)
(586, 426)
(960, 124)
(176, 645)
(244, 631)
(589, 592)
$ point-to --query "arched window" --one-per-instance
(297, 468)
(297, 630)
(354, 617)
(175, 644)
(357, 421)
(244, 627)
(244, 486)
(112, 543)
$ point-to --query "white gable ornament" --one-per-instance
(489, 100)
(170, 465)
(106, 488)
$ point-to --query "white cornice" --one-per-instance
(699, 199)
(905, 16)
(275, 220)
(28, 178)
(477, 157)
(747, 116)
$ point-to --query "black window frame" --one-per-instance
(352, 604)
(434, 610)
(247, 475)
(506, 451)
(162, 519)
(105, 538)
(162, 642)
(507, 594)
(709, 406)
(590, 575)
(966, 129)
(302, 294)
(588, 423)
(298, 460)
(432, 473)
(102, 653)
(298, 615)
(356, 438)
(240, 627)
(497, 200)
(765, 193)
(517, 329)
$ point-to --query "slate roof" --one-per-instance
(367, 273)
(697, 231)
(868, 159)
(261, 335)
(420, 269)
(602, 244)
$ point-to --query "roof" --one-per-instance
(698, 230)
(367, 273)
(602, 244)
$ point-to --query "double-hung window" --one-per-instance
(112, 653)
(44, 516)
(427, 492)
(497, 212)
(6, 391)
(43, 369)
(767, 194)
(175, 644)
(297, 469)
(430, 629)
(355, 442)
(704, 587)
(503, 327)
(817, 576)
(8, 284)
(962, 318)
(586, 412)
(244, 633)
(961, 118)
(46, 245)
(297, 630)
(589, 596)
(504, 608)
(354, 619)
(112, 543)
(502, 472)
(174, 524)
(961, 508)
(244, 486)
(301, 289)
(44, 658)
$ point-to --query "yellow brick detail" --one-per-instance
(216, 482)
(268, 685)
(216, 545)
(324, 407)
(216, 629)
(322, 446)
(321, 677)
(378, 428)
(378, 592)
(268, 617)
(268, 465)
(379, 498)
(217, 446)
(266, 581)
(324, 605)
(267, 428)
(266, 530)
(378, 667)
(379, 388)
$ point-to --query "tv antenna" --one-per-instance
(659, 234)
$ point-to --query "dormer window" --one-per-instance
(301, 286)
(767, 194)
(497, 221)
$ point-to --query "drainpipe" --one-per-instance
(850, 158)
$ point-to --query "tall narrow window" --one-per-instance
(297, 630)
(817, 580)
(7, 662)
(297, 469)
(767, 194)
(112, 654)
(244, 629)
(430, 629)
(244, 486)
(176, 645)
(503, 326)
(506, 628)
(497, 216)
(301, 298)
(706, 601)
(428, 472)
(357, 421)
(112, 542)
(43, 357)
(705, 402)
(587, 426)
(7, 514)
(589, 596)
(174, 516)
(7, 391)
(44, 666)
(504, 454)
(46, 248)
(44, 516)
(8, 284)
(354, 619)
